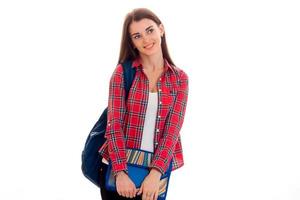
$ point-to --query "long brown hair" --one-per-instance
(127, 50)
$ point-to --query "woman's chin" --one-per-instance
(149, 52)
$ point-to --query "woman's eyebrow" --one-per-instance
(148, 28)
(145, 29)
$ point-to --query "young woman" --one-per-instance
(152, 116)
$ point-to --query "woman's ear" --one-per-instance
(162, 30)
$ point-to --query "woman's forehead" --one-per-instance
(140, 26)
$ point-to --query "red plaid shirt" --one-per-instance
(125, 119)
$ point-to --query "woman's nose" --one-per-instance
(146, 39)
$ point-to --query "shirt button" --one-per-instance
(158, 116)
(160, 102)
(159, 90)
(156, 143)
(108, 124)
(157, 130)
(160, 79)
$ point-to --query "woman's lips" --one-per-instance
(149, 46)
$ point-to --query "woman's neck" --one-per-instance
(153, 62)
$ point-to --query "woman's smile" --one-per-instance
(149, 46)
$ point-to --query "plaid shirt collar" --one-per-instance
(137, 63)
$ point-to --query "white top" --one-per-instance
(149, 124)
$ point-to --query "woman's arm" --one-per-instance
(173, 124)
(115, 119)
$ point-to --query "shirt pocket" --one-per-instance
(169, 97)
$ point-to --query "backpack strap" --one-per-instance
(129, 73)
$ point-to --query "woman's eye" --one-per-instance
(150, 30)
(136, 36)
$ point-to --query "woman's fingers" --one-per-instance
(135, 191)
(140, 190)
(119, 191)
(155, 196)
(147, 196)
(127, 194)
(127, 189)
(132, 192)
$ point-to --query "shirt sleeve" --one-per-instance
(166, 145)
(115, 120)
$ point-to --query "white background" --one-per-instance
(242, 125)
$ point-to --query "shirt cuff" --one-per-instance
(119, 167)
(159, 167)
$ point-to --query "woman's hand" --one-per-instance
(125, 187)
(150, 186)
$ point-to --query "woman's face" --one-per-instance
(146, 36)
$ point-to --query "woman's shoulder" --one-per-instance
(118, 71)
(117, 74)
(119, 68)
(180, 72)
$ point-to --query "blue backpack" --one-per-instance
(90, 158)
